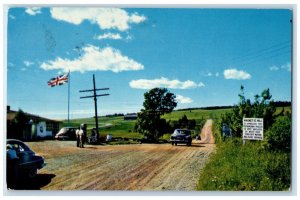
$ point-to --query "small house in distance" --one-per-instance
(130, 116)
(35, 127)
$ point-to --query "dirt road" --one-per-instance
(207, 133)
(123, 167)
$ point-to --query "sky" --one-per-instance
(203, 56)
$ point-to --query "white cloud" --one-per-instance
(33, 11)
(210, 74)
(28, 63)
(12, 17)
(129, 37)
(105, 18)
(11, 64)
(136, 18)
(287, 67)
(183, 100)
(93, 59)
(113, 36)
(201, 84)
(163, 83)
(236, 74)
(274, 68)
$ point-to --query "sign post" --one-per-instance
(253, 129)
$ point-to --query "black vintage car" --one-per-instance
(182, 136)
(25, 161)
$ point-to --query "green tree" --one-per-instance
(157, 102)
(262, 107)
(278, 137)
(183, 122)
(21, 120)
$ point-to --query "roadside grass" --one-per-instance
(238, 167)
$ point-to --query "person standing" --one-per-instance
(78, 136)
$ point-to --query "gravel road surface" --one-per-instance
(141, 167)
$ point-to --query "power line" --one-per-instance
(265, 57)
(261, 53)
(95, 95)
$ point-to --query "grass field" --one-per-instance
(196, 114)
(118, 127)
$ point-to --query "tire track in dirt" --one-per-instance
(67, 177)
(111, 178)
(150, 173)
(138, 172)
(182, 173)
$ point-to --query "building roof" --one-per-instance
(11, 115)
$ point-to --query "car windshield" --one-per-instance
(185, 132)
(18, 146)
(63, 130)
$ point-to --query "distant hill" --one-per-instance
(205, 108)
(277, 104)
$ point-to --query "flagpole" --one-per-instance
(69, 82)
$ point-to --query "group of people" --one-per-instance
(81, 136)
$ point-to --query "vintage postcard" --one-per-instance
(149, 99)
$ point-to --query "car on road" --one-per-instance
(24, 160)
(181, 136)
(66, 133)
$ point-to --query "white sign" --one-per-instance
(41, 130)
(253, 128)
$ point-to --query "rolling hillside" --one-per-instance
(119, 127)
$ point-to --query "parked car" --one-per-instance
(66, 133)
(24, 160)
(181, 136)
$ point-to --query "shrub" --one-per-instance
(217, 131)
(278, 137)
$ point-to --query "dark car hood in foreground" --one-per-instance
(27, 157)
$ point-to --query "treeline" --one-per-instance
(205, 108)
(282, 103)
(115, 115)
(275, 103)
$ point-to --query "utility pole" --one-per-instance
(95, 95)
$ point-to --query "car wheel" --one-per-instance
(32, 173)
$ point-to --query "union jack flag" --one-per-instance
(59, 80)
